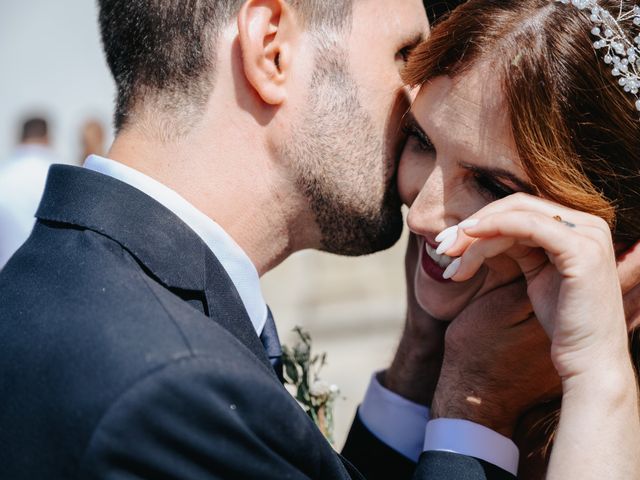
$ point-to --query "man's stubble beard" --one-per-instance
(342, 166)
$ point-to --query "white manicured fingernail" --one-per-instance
(452, 269)
(448, 242)
(446, 232)
(472, 222)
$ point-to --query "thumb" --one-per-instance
(629, 274)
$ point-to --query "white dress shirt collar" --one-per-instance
(234, 260)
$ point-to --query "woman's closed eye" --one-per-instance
(417, 138)
(490, 187)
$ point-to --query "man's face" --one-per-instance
(346, 143)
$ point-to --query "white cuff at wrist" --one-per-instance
(474, 440)
(394, 420)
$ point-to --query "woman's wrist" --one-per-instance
(608, 382)
(600, 356)
(599, 424)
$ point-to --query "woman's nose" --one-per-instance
(428, 214)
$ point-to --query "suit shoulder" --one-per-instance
(79, 282)
(80, 324)
(228, 413)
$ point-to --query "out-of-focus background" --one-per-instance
(52, 66)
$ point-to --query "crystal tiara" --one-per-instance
(622, 52)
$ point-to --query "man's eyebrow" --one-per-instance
(500, 173)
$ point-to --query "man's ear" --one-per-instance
(266, 30)
(629, 272)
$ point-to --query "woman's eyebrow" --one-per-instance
(500, 173)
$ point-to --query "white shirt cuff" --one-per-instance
(394, 420)
(474, 440)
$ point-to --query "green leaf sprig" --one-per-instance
(302, 371)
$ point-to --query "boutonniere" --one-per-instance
(302, 372)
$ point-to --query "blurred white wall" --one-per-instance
(51, 62)
(353, 308)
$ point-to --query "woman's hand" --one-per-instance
(569, 263)
(568, 260)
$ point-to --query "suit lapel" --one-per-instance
(163, 244)
(226, 307)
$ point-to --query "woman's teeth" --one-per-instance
(442, 260)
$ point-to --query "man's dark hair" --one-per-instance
(35, 128)
(162, 50)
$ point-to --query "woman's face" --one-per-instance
(459, 156)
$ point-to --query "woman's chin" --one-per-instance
(444, 301)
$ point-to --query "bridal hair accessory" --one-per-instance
(622, 53)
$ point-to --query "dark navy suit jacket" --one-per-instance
(126, 353)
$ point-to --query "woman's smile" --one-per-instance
(433, 263)
(443, 299)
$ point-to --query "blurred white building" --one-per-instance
(52, 64)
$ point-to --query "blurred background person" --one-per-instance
(92, 139)
(22, 179)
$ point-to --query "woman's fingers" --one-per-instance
(456, 239)
(629, 268)
(520, 234)
(535, 229)
(529, 259)
(476, 254)
(530, 203)
(530, 223)
(629, 273)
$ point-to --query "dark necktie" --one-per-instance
(271, 342)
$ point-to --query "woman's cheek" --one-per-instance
(412, 175)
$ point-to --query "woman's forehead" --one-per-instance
(467, 114)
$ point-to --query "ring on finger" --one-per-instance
(558, 218)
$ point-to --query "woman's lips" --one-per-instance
(429, 265)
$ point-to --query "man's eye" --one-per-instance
(418, 138)
(491, 188)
